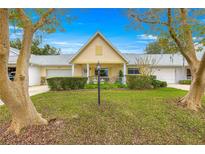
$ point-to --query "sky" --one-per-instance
(112, 23)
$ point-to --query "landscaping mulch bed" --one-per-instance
(46, 134)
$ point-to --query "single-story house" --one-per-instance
(167, 67)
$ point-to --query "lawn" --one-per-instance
(125, 117)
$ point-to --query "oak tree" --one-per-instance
(36, 49)
(182, 25)
(162, 46)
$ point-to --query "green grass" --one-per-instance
(125, 117)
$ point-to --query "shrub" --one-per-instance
(159, 84)
(120, 74)
(144, 82)
(91, 86)
(188, 82)
(66, 83)
(139, 82)
(154, 77)
(163, 84)
(105, 86)
(120, 85)
(108, 86)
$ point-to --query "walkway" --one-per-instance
(179, 86)
(35, 90)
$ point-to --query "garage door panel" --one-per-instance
(59, 73)
(165, 74)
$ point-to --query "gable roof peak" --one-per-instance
(97, 33)
(91, 39)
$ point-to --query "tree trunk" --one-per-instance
(15, 94)
(21, 107)
(193, 98)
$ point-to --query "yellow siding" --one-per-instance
(89, 54)
(98, 50)
(78, 70)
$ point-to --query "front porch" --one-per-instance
(109, 72)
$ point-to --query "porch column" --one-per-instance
(124, 73)
(73, 69)
(88, 73)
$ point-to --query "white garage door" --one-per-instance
(34, 76)
(165, 74)
(59, 73)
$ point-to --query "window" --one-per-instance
(188, 74)
(103, 72)
(98, 50)
(133, 71)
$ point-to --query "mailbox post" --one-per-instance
(98, 69)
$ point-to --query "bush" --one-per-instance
(163, 84)
(91, 86)
(154, 77)
(159, 84)
(66, 83)
(188, 82)
(144, 82)
(105, 86)
(139, 82)
(120, 85)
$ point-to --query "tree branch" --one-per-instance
(172, 31)
(137, 18)
(4, 44)
(4, 35)
(22, 16)
(202, 66)
(190, 56)
(187, 35)
(43, 19)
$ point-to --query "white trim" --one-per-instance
(88, 73)
(124, 73)
(73, 69)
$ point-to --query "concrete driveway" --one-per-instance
(179, 86)
(35, 90)
(38, 90)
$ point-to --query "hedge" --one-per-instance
(66, 83)
(159, 84)
(144, 82)
(139, 82)
(105, 86)
(188, 82)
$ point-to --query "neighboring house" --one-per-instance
(168, 67)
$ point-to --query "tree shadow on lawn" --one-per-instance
(117, 121)
(53, 133)
(34, 135)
